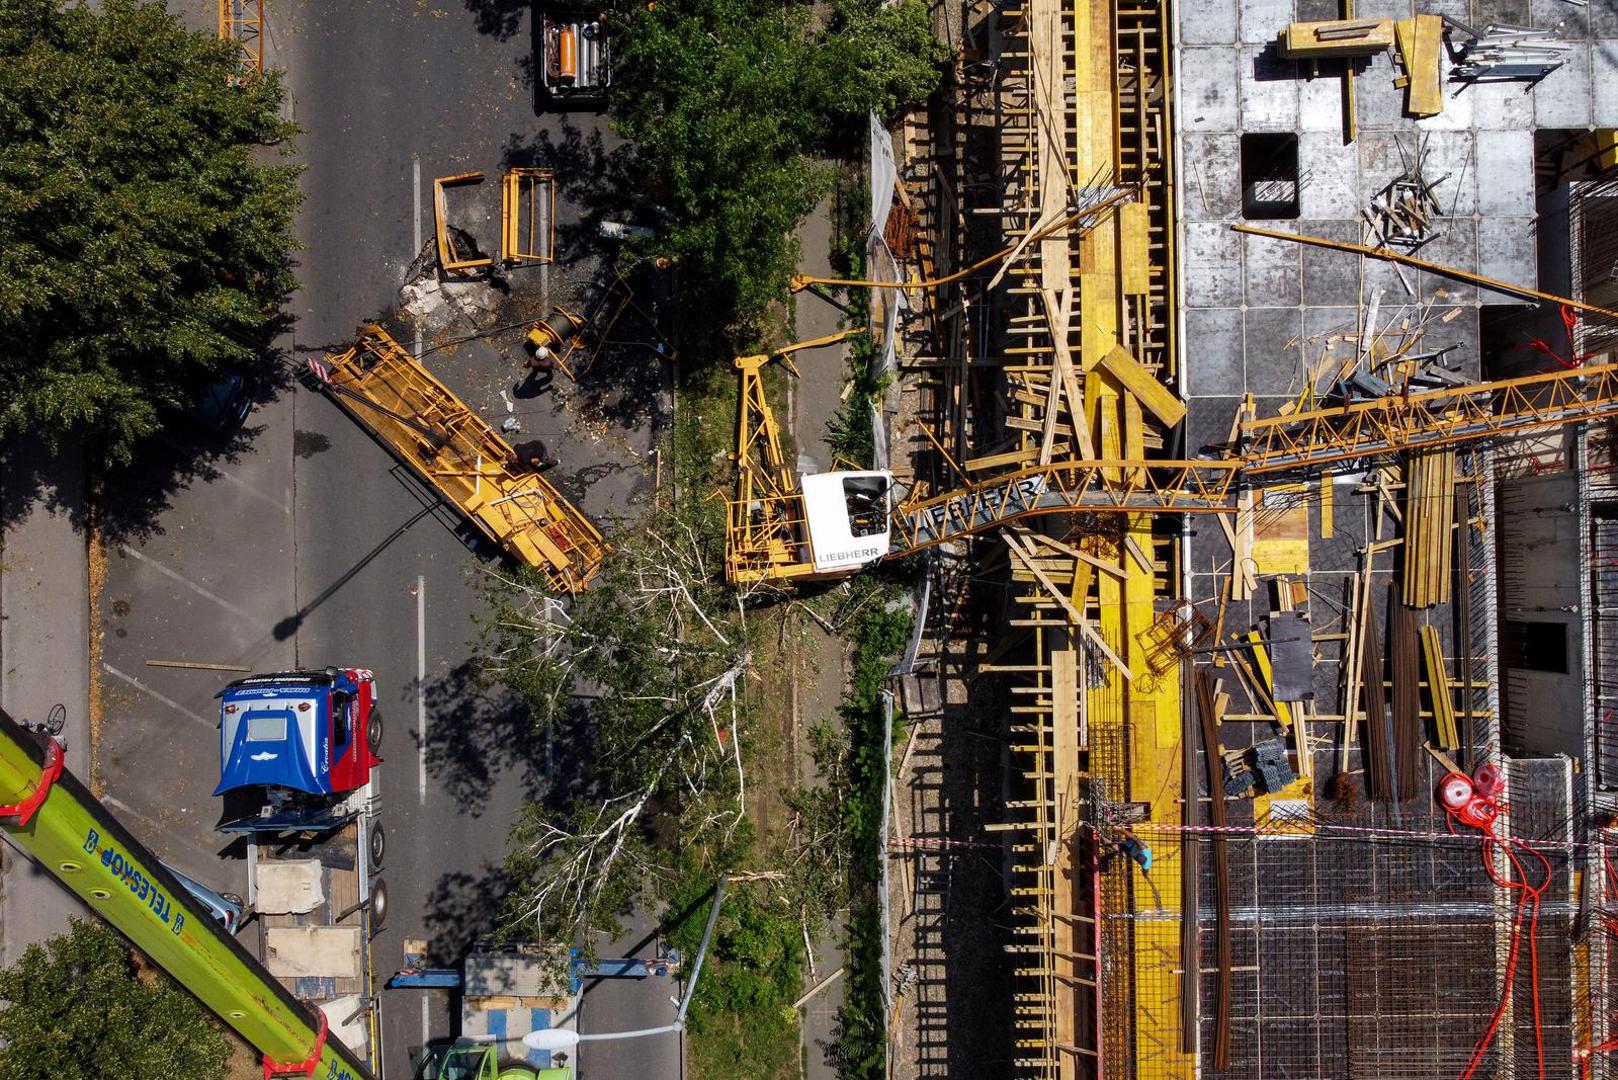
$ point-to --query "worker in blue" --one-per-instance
(1137, 849)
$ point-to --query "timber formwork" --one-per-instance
(1084, 100)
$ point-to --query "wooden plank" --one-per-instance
(1328, 501)
(1065, 698)
(1134, 251)
(1336, 38)
(995, 461)
(1418, 43)
(1134, 377)
(1438, 687)
(1074, 616)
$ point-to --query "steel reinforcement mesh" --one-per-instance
(1377, 947)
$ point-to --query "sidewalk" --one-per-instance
(44, 652)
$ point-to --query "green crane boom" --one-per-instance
(70, 834)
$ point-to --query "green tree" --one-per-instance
(144, 243)
(730, 105)
(76, 1008)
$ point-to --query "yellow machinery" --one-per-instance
(242, 21)
(528, 216)
(770, 534)
(451, 259)
(391, 393)
(576, 340)
(776, 523)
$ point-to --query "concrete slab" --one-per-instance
(1505, 162)
(1450, 165)
(1320, 104)
(1458, 112)
(1502, 106)
(1321, 323)
(1603, 21)
(1383, 9)
(1330, 278)
(1273, 275)
(1213, 165)
(1208, 89)
(1507, 251)
(1208, 24)
(1269, 90)
(1263, 20)
(1564, 97)
(1381, 104)
(1213, 270)
(1274, 350)
(1214, 345)
(1331, 171)
(1504, 12)
(1456, 246)
(1604, 81)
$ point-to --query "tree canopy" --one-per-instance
(78, 1010)
(729, 104)
(144, 241)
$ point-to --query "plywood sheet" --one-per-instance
(1281, 540)
(328, 952)
(293, 887)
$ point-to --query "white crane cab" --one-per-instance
(848, 517)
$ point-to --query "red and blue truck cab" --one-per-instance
(306, 740)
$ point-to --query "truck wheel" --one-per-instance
(379, 847)
(379, 903)
(373, 732)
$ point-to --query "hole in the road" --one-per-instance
(307, 444)
(120, 632)
(120, 608)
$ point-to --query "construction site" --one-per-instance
(1252, 404)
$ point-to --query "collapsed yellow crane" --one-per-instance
(832, 524)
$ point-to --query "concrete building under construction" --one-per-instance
(1320, 783)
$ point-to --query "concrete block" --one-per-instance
(1213, 23)
(1604, 80)
(1213, 183)
(1330, 278)
(1213, 268)
(1603, 21)
(1275, 350)
(1319, 10)
(1269, 90)
(1507, 251)
(1562, 99)
(1213, 354)
(1263, 20)
(1331, 176)
(1383, 9)
(1274, 271)
(1505, 165)
(1208, 88)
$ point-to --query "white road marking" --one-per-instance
(426, 1031)
(421, 687)
(187, 582)
(149, 692)
(128, 811)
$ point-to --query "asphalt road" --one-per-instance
(300, 542)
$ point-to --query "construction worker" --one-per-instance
(1137, 849)
(541, 367)
(535, 456)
